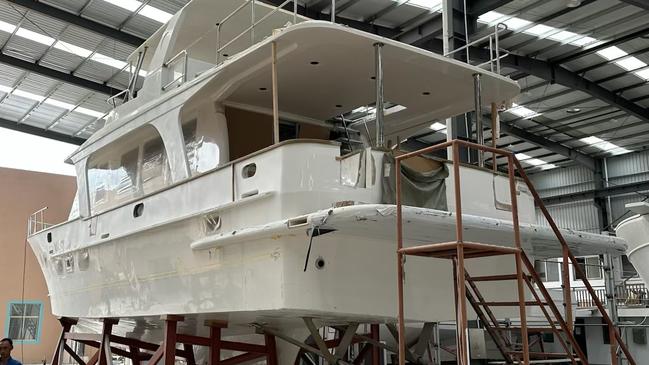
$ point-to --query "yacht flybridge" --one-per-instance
(220, 190)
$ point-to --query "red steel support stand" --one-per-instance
(165, 353)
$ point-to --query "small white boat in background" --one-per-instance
(635, 231)
(202, 197)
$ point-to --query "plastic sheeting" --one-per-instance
(424, 189)
(115, 177)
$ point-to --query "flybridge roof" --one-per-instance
(326, 69)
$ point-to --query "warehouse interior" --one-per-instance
(578, 129)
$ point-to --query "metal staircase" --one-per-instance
(525, 278)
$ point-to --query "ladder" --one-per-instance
(525, 277)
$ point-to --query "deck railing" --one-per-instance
(495, 54)
(36, 222)
(627, 295)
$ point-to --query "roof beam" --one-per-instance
(549, 145)
(366, 27)
(613, 190)
(579, 54)
(562, 76)
(642, 4)
(80, 21)
(57, 75)
(556, 74)
(26, 128)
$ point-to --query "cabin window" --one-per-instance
(127, 169)
(548, 270)
(202, 151)
(591, 266)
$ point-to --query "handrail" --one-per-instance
(36, 222)
(252, 26)
(125, 92)
(494, 47)
(615, 334)
(182, 55)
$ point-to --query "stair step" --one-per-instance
(510, 304)
(529, 329)
(539, 355)
(495, 277)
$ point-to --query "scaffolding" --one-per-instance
(466, 286)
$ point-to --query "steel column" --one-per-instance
(380, 111)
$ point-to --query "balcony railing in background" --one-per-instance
(628, 295)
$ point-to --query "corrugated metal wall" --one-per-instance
(583, 215)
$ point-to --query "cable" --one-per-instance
(22, 302)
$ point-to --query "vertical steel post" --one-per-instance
(461, 310)
(294, 11)
(565, 284)
(218, 43)
(169, 342)
(477, 97)
(494, 134)
(252, 22)
(333, 11)
(376, 351)
(275, 96)
(271, 350)
(611, 298)
(378, 59)
(520, 279)
(400, 256)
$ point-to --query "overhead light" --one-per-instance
(573, 110)
(573, 3)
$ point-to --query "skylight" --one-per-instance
(64, 46)
(147, 11)
(534, 161)
(605, 146)
(631, 63)
(643, 74)
(611, 53)
(433, 5)
(50, 101)
(523, 112)
(438, 127)
(539, 30)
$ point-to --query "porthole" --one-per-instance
(138, 210)
(249, 170)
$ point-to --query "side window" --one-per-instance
(132, 166)
(202, 151)
(155, 167)
(24, 321)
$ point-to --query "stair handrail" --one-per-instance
(613, 332)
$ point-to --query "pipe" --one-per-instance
(380, 137)
(275, 101)
(477, 94)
